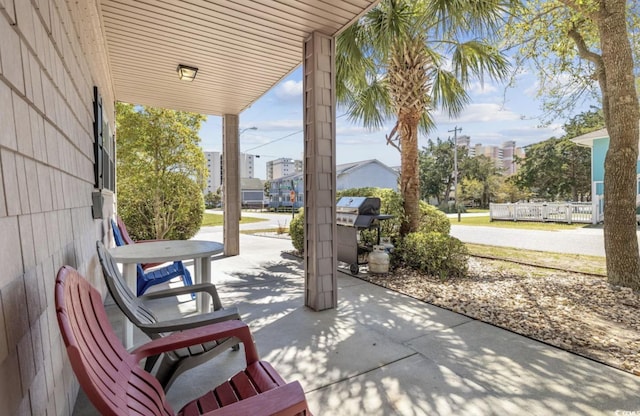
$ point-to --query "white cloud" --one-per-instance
(479, 88)
(280, 125)
(479, 112)
(533, 90)
(289, 90)
(355, 130)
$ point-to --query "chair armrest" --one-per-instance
(200, 335)
(283, 400)
(181, 290)
(188, 322)
(189, 289)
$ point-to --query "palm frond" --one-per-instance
(371, 105)
(389, 23)
(427, 123)
(476, 58)
(481, 17)
(448, 93)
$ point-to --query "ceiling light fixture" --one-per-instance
(187, 73)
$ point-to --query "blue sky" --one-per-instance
(493, 116)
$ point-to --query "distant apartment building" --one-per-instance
(215, 167)
(504, 156)
(509, 154)
(465, 141)
(283, 167)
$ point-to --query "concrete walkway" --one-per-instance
(383, 353)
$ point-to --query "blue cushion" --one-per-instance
(161, 275)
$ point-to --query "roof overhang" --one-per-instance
(587, 139)
(241, 48)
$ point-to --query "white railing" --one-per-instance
(569, 212)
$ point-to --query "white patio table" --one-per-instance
(166, 251)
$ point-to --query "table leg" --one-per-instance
(202, 271)
(131, 277)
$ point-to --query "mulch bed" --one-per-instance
(576, 312)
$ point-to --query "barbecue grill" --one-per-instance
(353, 214)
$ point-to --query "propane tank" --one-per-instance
(379, 260)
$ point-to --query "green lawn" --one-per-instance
(574, 262)
(477, 210)
(210, 220)
(528, 225)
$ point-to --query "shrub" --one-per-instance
(431, 219)
(391, 203)
(434, 253)
(177, 205)
(450, 207)
(296, 231)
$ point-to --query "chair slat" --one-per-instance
(208, 402)
(225, 394)
(243, 386)
(260, 377)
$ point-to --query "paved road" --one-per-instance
(579, 241)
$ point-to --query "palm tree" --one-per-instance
(393, 63)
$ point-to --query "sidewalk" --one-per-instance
(382, 353)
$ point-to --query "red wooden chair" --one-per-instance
(117, 385)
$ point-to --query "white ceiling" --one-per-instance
(242, 48)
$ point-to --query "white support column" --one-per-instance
(231, 184)
(320, 254)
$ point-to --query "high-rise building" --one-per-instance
(215, 167)
(509, 154)
(283, 167)
(464, 141)
(503, 156)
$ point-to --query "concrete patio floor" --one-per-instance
(383, 353)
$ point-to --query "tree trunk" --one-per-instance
(409, 178)
(621, 118)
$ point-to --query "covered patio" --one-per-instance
(63, 65)
(383, 353)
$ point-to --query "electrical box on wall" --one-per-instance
(97, 204)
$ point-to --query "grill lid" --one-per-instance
(360, 205)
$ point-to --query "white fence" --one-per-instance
(570, 212)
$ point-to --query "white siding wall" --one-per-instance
(46, 181)
(369, 175)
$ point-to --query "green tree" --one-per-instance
(437, 169)
(267, 189)
(484, 170)
(558, 168)
(213, 199)
(161, 171)
(579, 42)
(393, 63)
(471, 190)
(540, 170)
(508, 191)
